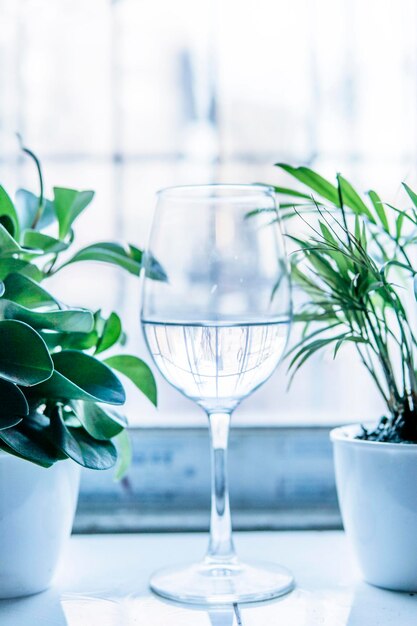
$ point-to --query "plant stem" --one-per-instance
(382, 350)
(48, 272)
(369, 366)
(374, 376)
(41, 201)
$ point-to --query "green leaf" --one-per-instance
(8, 215)
(399, 226)
(130, 259)
(29, 440)
(353, 200)
(308, 350)
(68, 204)
(106, 252)
(27, 204)
(80, 446)
(261, 211)
(337, 347)
(124, 454)
(32, 272)
(379, 209)
(137, 371)
(153, 269)
(314, 316)
(334, 252)
(328, 235)
(79, 376)
(304, 281)
(351, 338)
(13, 404)
(304, 340)
(26, 292)
(8, 245)
(135, 253)
(99, 422)
(372, 286)
(69, 341)
(357, 229)
(99, 322)
(315, 345)
(70, 320)
(284, 191)
(323, 267)
(328, 191)
(413, 220)
(39, 241)
(111, 333)
(24, 357)
(412, 195)
(9, 265)
(313, 180)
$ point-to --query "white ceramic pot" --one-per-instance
(377, 490)
(37, 508)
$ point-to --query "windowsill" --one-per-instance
(103, 580)
(290, 484)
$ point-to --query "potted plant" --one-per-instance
(356, 270)
(58, 391)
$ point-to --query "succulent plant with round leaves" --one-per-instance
(59, 394)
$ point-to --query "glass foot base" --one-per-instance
(214, 583)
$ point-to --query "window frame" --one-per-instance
(286, 482)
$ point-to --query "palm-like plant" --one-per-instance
(356, 270)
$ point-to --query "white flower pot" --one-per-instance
(37, 507)
(377, 489)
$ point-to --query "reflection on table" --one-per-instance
(103, 582)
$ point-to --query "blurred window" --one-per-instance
(128, 96)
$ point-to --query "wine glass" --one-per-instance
(216, 329)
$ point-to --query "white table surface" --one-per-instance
(103, 582)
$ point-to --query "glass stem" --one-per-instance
(221, 547)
